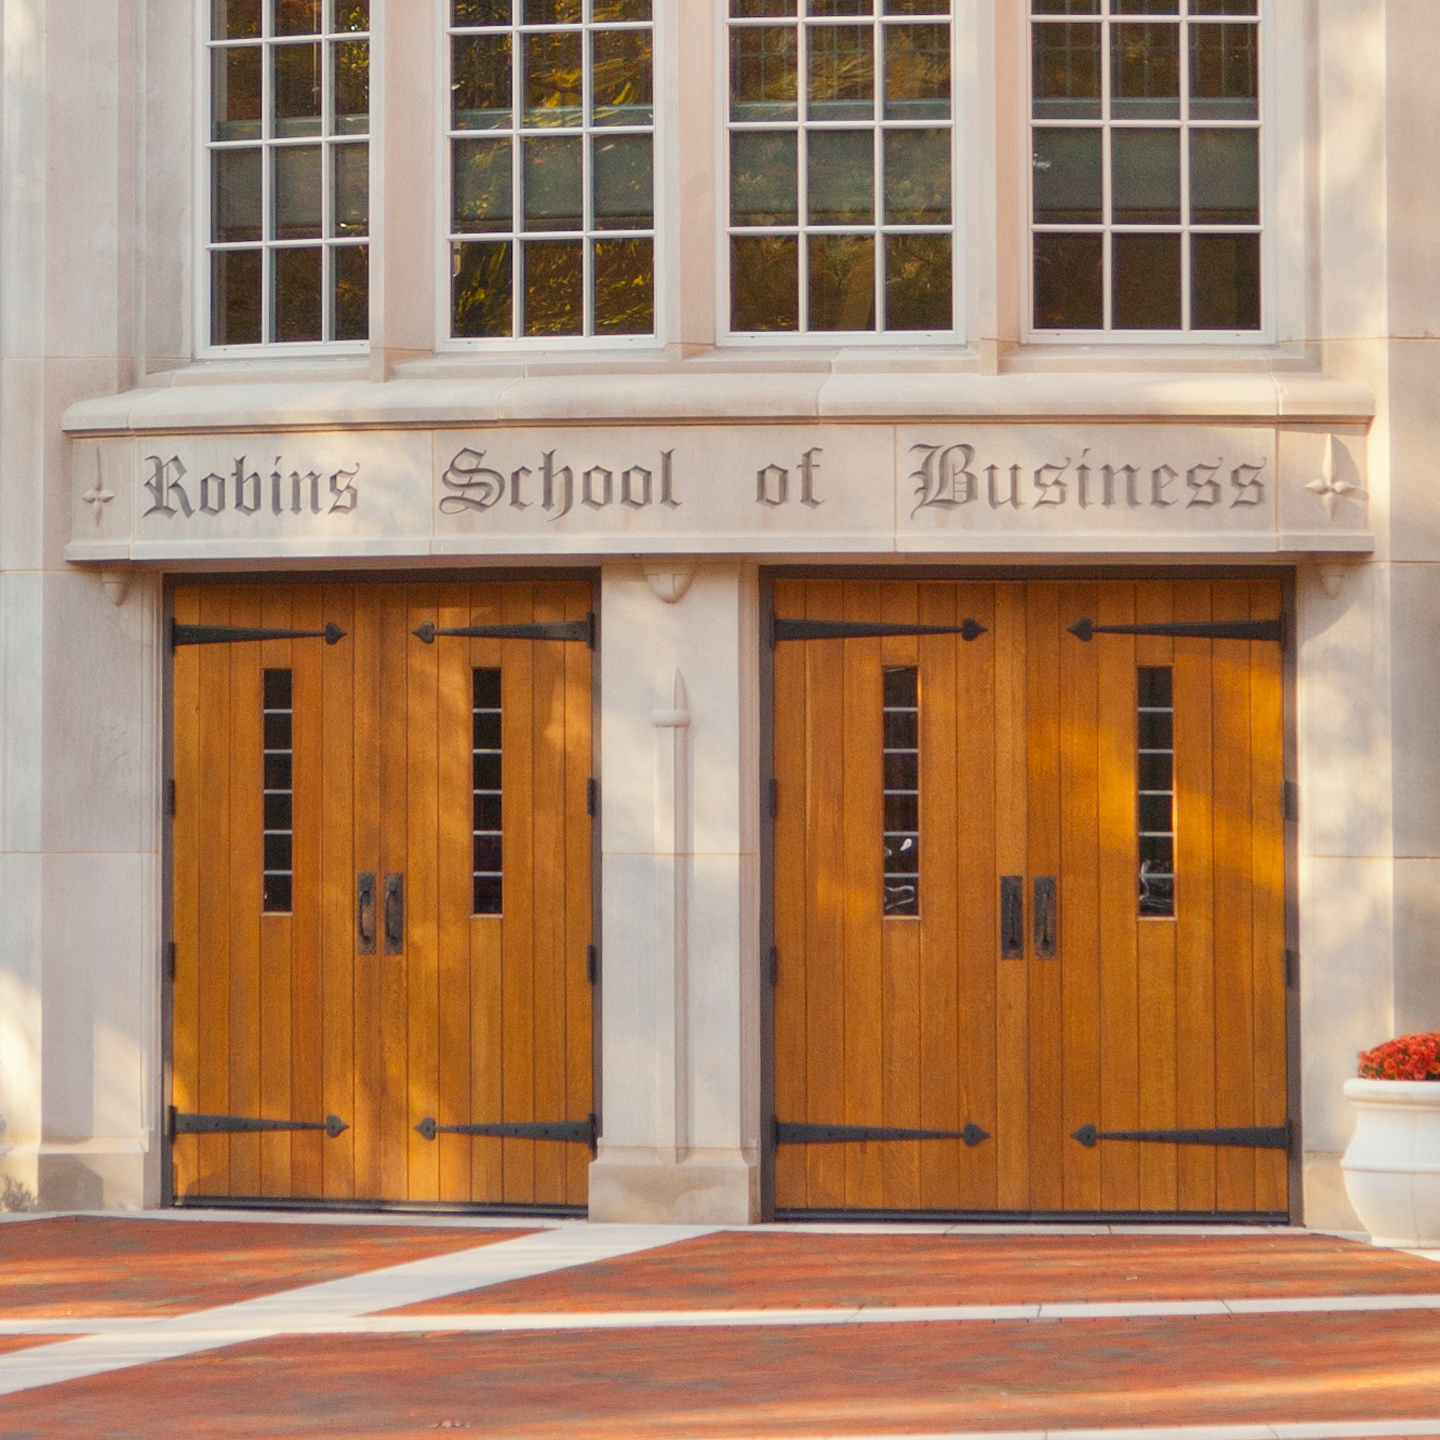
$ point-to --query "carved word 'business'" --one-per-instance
(291, 492)
(475, 486)
(948, 478)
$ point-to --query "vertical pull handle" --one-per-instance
(1046, 904)
(394, 914)
(1012, 917)
(365, 912)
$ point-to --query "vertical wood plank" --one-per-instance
(1119, 869)
(1012, 1028)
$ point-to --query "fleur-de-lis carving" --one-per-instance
(1330, 488)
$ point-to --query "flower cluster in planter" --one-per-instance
(1411, 1057)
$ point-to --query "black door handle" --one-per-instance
(1046, 904)
(365, 912)
(394, 914)
(1012, 917)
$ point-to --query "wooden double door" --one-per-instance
(1029, 897)
(381, 902)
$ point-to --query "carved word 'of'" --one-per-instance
(772, 484)
(244, 490)
(946, 481)
(473, 485)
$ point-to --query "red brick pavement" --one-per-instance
(802, 1269)
(82, 1266)
(786, 1381)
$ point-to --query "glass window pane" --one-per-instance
(234, 19)
(297, 192)
(1145, 72)
(917, 177)
(624, 287)
(551, 184)
(550, 12)
(918, 283)
(840, 7)
(1225, 177)
(1224, 72)
(483, 186)
(917, 72)
(296, 300)
(480, 82)
(351, 165)
(764, 282)
(841, 183)
(842, 282)
(1066, 72)
(235, 297)
(1145, 7)
(917, 7)
(748, 9)
(1069, 177)
(1069, 282)
(481, 12)
(351, 59)
(762, 72)
(624, 186)
(1225, 282)
(1065, 7)
(482, 290)
(552, 78)
(235, 98)
(842, 72)
(1145, 177)
(763, 178)
(352, 292)
(554, 287)
(621, 10)
(620, 70)
(1145, 288)
(235, 195)
(297, 17)
(352, 14)
(297, 90)
(1224, 7)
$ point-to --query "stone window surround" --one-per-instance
(409, 318)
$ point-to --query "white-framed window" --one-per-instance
(287, 157)
(550, 223)
(1147, 159)
(840, 169)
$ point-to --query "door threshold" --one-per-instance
(1041, 1217)
(378, 1207)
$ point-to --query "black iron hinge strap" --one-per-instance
(789, 1133)
(781, 629)
(180, 634)
(186, 1124)
(1190, 630)
(578, 630)
(1248, 1137)
(579, 1132)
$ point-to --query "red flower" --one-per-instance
(1411, 1057)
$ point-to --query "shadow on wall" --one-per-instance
(66, 1184)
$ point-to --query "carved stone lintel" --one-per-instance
(117, 586)
(670, 579)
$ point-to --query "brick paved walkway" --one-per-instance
(257, 1329)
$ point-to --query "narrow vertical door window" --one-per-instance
(1146, 165)
(902, 791)
(840, 166)
(489, 878)
(289, 160)
(1155, 800)
(278, 838)
(552, 208)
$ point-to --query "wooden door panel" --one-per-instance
(478, 1018)
(1029, 767)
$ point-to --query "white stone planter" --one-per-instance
(1392, 1168)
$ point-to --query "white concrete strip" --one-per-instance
(1335, 1430)
(410, 1284)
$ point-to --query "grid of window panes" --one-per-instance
(1155, 800)
(488, 875)
(289, 159)
(902, 791)
(278, 800)
(1146, 165)
(841, 166)
(552, 168)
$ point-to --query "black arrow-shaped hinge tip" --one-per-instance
(973, 1134)
(1086, 1135)
(425, 632)
(426, 1128)
(335, 1127)
(972, 630)
(333, 633)
(1083, 630)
